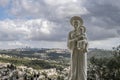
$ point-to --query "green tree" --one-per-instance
(105, 68)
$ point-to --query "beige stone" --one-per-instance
(77, 44)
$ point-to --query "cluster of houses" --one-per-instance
(11, 72)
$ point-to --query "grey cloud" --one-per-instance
(98, 33)
(101, 18)
(56, 34)
(118, 31)
(4, 3)
(9, 36)
(105, 15)
(105, 11)
(9, 31)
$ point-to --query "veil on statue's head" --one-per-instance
(76, 18)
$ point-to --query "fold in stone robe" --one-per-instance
(78, 69)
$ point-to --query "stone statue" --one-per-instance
(77, 44)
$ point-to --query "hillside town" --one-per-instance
(11, 72)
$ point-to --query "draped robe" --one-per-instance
(78, 68)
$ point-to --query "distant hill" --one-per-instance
(46, 58)
(44, 53)
(99, 53)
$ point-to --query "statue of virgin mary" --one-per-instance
(77, 44)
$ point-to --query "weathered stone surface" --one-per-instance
(77, 44)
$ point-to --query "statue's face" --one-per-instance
(76, 23)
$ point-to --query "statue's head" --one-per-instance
(82, 29)
(76, 21)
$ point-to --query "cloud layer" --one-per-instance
(35, 29)
(48, 20)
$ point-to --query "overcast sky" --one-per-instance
(45, 23)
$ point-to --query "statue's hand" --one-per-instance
(82, 50)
